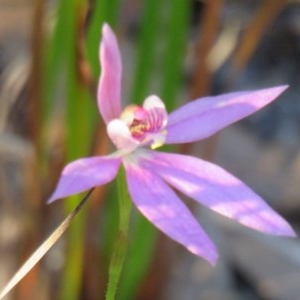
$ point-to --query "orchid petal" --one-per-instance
(85, 173)
(154, 103)
(120, 135)
(202, 118)
(218, 190)
(109, 88)
(161, 206)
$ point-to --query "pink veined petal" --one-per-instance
(161, 206)
(153, 101)
(202, 118)
(109, 88)
(156, 104)
(85, 173)
(218, 190)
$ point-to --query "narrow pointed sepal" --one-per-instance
(204, 117)
(109, 88)
(85, 173)
(161, 206)
(217, 189)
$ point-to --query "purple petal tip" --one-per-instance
(106, 28)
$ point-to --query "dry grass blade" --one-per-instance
(43, 249)
(36, 72)
(13, 78)
(201, 81)
(264, 17)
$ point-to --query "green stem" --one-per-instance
(119, 253)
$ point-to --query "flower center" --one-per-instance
(146, 125)
(140, 125)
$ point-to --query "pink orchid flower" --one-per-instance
(139, 129)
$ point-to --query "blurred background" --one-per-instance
(180, 50)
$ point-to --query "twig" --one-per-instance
(43, 249)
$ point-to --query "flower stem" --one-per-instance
(119, 253)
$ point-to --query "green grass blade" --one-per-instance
(79, 120)
(103, 11)
(147, 49)
(173, 58)
(143, 235)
